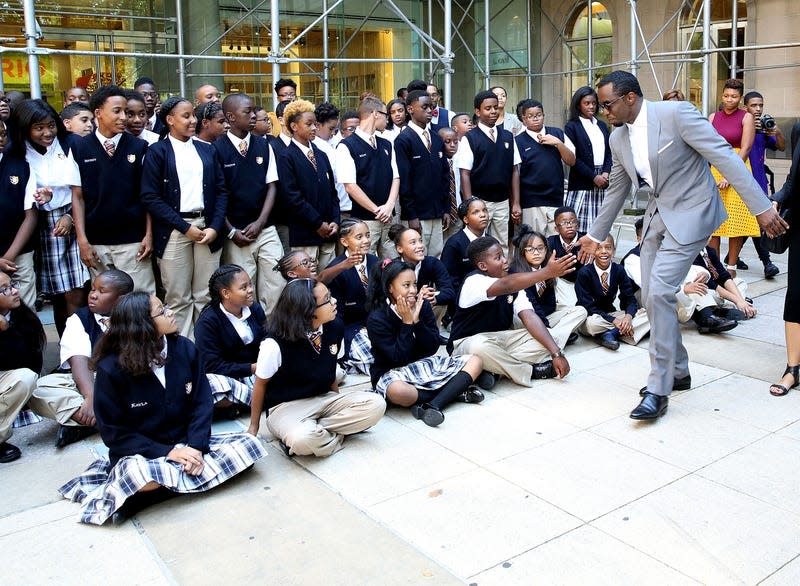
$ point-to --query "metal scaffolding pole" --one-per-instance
(634, 49)
(589, 45)
(734, 35)
(181, 60)
(326, 67)
(447, 58)
(31, 35)
(276, 46)
(486, 37)
(706, 56)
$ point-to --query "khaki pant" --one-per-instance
(499, 216)
(595, 325)
(16, 387)
(324, 253)
(687, 304)
(123, 258)
(541, 219)
(56, 397)
(258, 259)
(186, 267)
(317, 425)
(432, 236)
(380, 245)
(512, 353)
(26, 277)
(565, 294)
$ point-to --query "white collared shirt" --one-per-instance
(472, 236)
(637, 132)
(240, 323)
(600, 272)
(345, 204)
(115, 139)
(287, 140)
(55, 169)
(475, 287)
(346, 166)
(597, 139)
(161, 371)
(465, 158)
(235, 140)
(189, 166)
(75, 341)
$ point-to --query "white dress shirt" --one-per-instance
(466, 159)
(115, 139)
(189, 166)
(596, 137)
(240, 323)
(55, 169)
(346, 166)
(272, 169)
(637, 132)
(535, 136)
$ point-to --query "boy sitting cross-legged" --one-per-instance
(484, 319)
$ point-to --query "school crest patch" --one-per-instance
(511, 299)
(14, 179)
(441, 154)
(62, 156)
(188, 387)
(334, 349)
(508, 144)
(259, 160)
(131, 158)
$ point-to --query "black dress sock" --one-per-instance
(451, 389)
(425, 397)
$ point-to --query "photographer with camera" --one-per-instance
(768, 136)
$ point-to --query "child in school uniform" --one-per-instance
(112, 226)
(153, 408)
(597, 287)
(424, 199)
(542, 149)
(22, 344)
(489, 161)
(211, 122)
(78, 119)
(68, 397)
(350, 286)
(18, 219)
(366, 167)
(405, 339)
(227, 334)
(296, 376)
(531, 254)
(183, 188)
(565, 241)
(38, 136)
(137, 118)
(251, 175)
(307, 186)
(475, 217)
(484, 322)
(433, 280)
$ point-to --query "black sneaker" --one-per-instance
(770, 270)
(486, 380)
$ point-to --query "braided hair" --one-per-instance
(221, 279)
(382, 276)
(166, 109)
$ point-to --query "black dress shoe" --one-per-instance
(486, 380)
(472, 395)
(651, 407)
(609, 339)
(730, 313)
(682, 383)
(716, 325)
(429, 414)
(543, 370)
(770, 270)
(69, 434)
(443, 341)
(9, 452)
(573, 337)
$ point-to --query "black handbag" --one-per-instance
(779, 244)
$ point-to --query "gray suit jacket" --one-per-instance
(681, 144)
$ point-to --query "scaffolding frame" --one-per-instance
(440, 53)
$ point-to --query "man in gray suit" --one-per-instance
(664, 148)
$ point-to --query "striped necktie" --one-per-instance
(491, 134)
(540, 287)
(710, 266)
(316, 341)
(312, 158)
(427, 136)
(452, 188)
(604, 282)
(243, 148)
(110, 148)
(362, 273)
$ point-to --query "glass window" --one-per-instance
(576, 50)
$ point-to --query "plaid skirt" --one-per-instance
(102, 490)
(586, 203)
(58, 259)
(427, 374)
(236, 390)
(360, 354)
(26, 417)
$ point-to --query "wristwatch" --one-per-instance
(557, 355)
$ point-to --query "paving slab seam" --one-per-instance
(768, 576)
(150, 546)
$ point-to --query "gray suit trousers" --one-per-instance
(665, 263)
